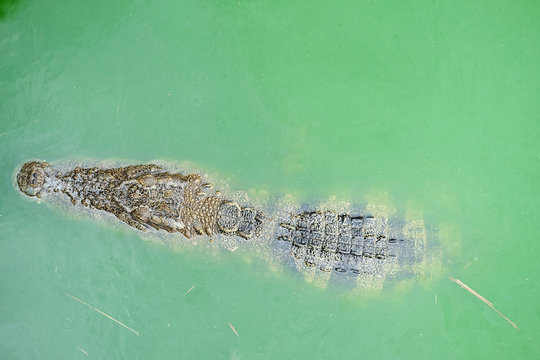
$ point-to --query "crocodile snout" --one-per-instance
(32, 177)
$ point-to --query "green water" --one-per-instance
(428, 107)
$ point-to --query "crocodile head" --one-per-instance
(32, 178)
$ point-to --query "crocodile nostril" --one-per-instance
(34, 178)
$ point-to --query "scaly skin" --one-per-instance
(343, 243)
(145, 197)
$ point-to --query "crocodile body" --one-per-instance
(149, 198)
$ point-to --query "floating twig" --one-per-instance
(233, 329)
(102, 313)
(191, 288)
(488, 303)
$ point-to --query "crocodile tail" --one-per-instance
(341, 243)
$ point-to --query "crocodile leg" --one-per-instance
(129, 219)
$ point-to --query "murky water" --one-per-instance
(427, 111)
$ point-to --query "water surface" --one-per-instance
(427, 108)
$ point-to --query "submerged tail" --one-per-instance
(346, 243)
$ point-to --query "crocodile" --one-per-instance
(150, 198)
